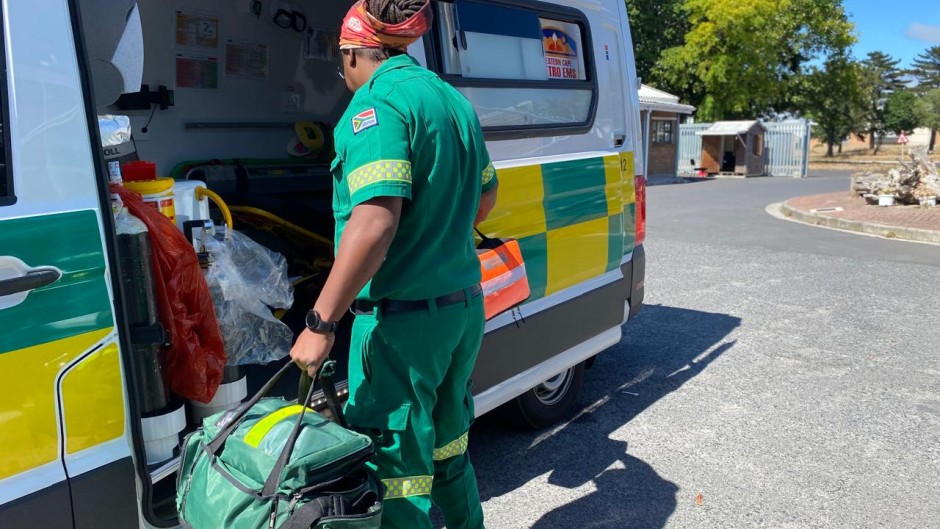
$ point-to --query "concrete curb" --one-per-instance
(870, 228)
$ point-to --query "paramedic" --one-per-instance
(411, 179)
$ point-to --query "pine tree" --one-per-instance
(926, 69)
(881, 77)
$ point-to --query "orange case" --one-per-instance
(505, 283)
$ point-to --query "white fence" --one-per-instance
(786, 148)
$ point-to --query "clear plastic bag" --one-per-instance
(114, 130)
(247, 280)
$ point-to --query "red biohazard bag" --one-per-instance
(196, 356)
(505, 283)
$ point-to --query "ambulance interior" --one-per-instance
(241, 95)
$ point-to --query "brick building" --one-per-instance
(660, 116)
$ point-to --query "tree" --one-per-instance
(926, 69)
(741, 58)
(880, 78)
(831, 97)
(656, 25)
(928, 109)
(901, 113)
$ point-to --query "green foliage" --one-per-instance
(926, 69)
(928, 109)
(929, 106)
(901, 112)
(743, 57)
(656, 25)
(831, 96)
(880, 77)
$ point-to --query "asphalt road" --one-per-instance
(787, 374)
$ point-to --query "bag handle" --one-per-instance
(236, 416)
(329, 390)
(488, 243)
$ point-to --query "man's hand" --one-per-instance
(311, 350)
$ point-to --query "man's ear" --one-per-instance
(352, 58)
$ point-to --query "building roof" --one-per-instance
(729, 128)
(657, 100)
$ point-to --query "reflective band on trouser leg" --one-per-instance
(453, 449)
(407, 487)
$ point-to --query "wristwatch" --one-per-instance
(316, 324)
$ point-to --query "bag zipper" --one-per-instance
(358, 458)
(273, 520)
(293, 503)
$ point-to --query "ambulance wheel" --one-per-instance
(549, 402)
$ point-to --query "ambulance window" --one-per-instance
(525, 66)
(6, 175)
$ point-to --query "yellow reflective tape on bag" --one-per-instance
(261, 428)
(407, 487)
(456, 448)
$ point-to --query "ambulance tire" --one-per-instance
(549, 402)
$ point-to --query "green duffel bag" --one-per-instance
(273, 464)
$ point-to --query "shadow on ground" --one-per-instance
(662, 349)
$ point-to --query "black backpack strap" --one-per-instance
(329, 391)
(309, 514)
(235, 417)
(274, 478)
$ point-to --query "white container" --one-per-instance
(227, 397)
(885, 200)
(162, 434)
(930, 202)
(188, 207)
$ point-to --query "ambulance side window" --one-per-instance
(6, 174)
(527, 68)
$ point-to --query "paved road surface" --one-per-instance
(788, 374)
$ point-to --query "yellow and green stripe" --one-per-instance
(574, 219)
(396, 488)
(452, 449)
(49, 330)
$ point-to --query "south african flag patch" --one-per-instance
(364, 120)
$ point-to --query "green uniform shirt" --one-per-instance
(409, 134)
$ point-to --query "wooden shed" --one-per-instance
(733, 148)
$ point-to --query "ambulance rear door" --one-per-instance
(65, 460)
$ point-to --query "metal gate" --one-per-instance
(690, 147)
(786, 148)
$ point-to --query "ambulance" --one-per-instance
(239, 97)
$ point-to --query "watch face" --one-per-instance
(313, 321)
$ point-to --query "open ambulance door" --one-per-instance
(66, 459)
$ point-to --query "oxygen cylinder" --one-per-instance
(147, 334)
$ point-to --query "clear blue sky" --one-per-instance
(901, 28)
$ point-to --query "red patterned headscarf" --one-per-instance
(362, 30)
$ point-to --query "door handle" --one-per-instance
(36, 278)
(619, 140)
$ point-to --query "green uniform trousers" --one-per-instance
(409, 390)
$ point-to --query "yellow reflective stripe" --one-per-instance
(489, 173)
(456, 448)
(379, 172)
(407, 487)
(261, 428)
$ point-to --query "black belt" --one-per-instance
(389, 306)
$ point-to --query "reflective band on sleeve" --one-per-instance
(453, 449)
(407, 487)
(382, 171)
(488, 174)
